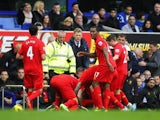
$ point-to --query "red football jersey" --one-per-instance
(88, 75)
(65, 80)
(32, 49)
(100, 44)
(121, 62)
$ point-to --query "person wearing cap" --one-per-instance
(39, 25)
(149, 96)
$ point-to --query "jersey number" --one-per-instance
(30, 53)
(125, 58)
(96, 75)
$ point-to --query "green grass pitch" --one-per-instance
(79, 115)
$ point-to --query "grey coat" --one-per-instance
(154, 63)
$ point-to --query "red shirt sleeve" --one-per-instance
(100, 44)
(42, 48)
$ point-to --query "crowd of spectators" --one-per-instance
(142, 86)
(112, 18)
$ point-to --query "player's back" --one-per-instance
(32, 50)
(88, 75)
(66, 80)
(121, 62)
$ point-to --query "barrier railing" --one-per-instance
(14, 86)
(24, 91)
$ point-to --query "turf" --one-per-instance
(79, 115)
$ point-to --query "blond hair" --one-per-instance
(37, 4)
(68, 19)
(77, 30)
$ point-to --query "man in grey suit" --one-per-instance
(130, 26)
(154, 62)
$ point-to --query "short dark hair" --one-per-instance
(122, 35)
(20, 68)
(158, 2)
(75, 3)
(131, 16)
(97, 29)
(153, 43)
(56, 3)
(80, 69)
(111, 37)
(156, 74)
(113, 9)
(4, 70)
(33, 30)
(126, 6)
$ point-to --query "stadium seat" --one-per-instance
(9, 23)
(26, 26)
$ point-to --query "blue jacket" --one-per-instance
(80, 61)
(122, 18)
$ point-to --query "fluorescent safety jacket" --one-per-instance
(59, 58)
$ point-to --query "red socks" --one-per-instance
(71, 103)
(57, 100)
(106, 98)
(98, 97)
(34, 94)
(93, 98)
(118, 96)
(116, 101)
(124, 98)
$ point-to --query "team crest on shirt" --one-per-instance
(117, 50)
(130, 82)
(100, 43)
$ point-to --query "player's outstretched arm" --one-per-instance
(77, 87)
(82, 53)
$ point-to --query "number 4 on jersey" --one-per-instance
(30, 53)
